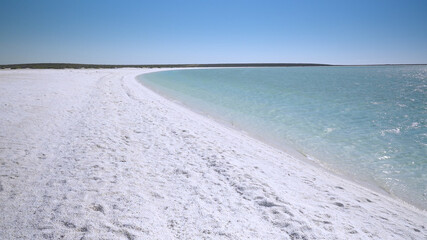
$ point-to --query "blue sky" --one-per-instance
(203, 31)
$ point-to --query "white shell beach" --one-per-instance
(93, 154)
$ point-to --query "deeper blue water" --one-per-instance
(368, 123)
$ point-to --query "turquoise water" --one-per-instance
(368, 123)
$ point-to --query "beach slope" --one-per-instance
(92, 154)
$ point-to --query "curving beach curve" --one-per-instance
(93, 154)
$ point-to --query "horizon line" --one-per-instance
(187, 65)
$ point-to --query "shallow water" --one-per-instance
(368, 123)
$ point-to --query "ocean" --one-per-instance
(367, 123)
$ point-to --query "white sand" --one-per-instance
(92, 154)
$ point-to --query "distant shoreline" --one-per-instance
(106, 66)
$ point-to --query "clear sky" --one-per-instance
(203, 31)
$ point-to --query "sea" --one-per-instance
(367, 123)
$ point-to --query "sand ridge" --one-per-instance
(92, 154)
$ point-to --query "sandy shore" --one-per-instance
(92, 154)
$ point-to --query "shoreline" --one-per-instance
(296, 153)
(95, 154)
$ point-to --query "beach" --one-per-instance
(93, 154)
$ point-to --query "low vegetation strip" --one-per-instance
(96, 66)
